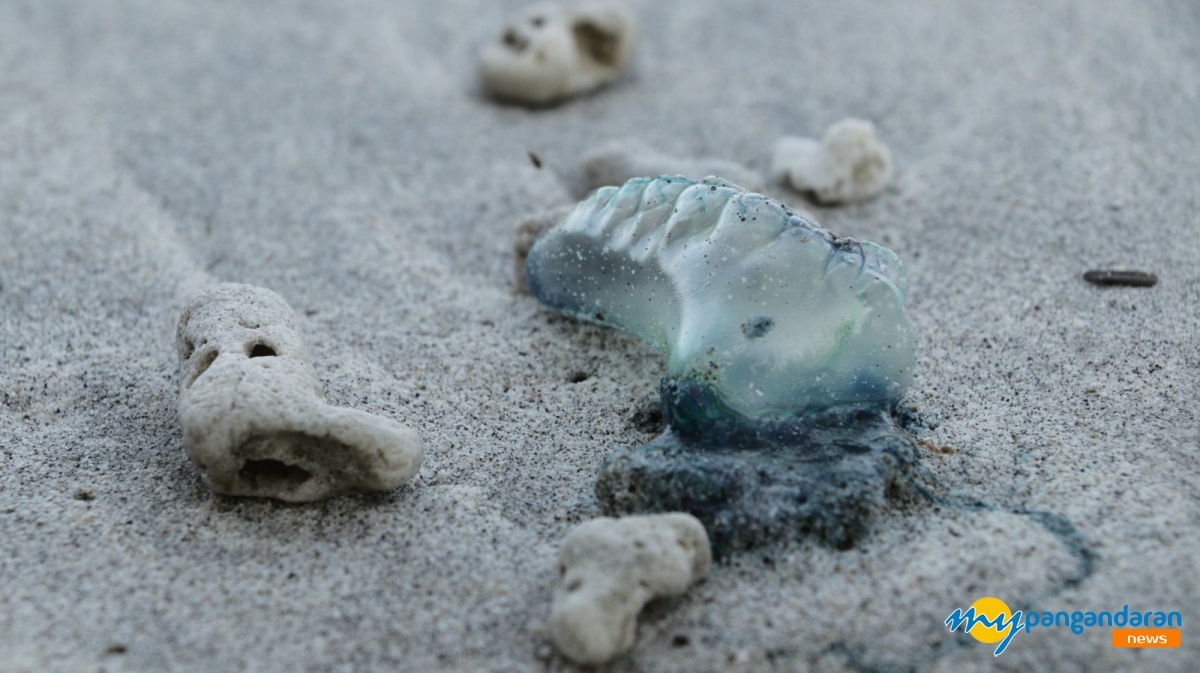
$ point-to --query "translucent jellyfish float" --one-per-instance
(788, 350)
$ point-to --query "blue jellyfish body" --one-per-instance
(787, 349)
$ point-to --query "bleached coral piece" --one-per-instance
(551, 51)
(617, 161)
(255, 421)
(848, 164)
(610, 569)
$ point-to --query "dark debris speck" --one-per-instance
(758, 326)
(1125, 278)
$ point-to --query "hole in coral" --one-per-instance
(262, 351)
(515, 41)
(680, 640)
(188, 349)
(537, 21)
(845, 545)
(579, 377)
(562, 570)
(203, 364)
(600, 45)
(638, 544)
(269, 472)
(600, 317)
(574, 585)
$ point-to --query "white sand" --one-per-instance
(341, 155)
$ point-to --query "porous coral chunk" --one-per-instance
(610, 569)
(552, 51)
(847, 165)
(255, 421)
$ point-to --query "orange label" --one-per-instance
(1146, 637)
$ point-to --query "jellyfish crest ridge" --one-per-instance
(769, 314)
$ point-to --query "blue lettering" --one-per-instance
(1160, 619)
(1076, 619)
(1175, 614)
(970, 620)
(957, 618)
(1135, 619)
(1121, 617)
(1013, 625)
(1031, 620)
(1066, 619)
(1106, 614)
(1089, 619)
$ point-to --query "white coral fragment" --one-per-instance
(848, 164)
(611, 568)
(617, 161)
(255, 421)
(552, 51)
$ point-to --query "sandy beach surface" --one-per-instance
(343, 155)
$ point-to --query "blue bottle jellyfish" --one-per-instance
(787, 347)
